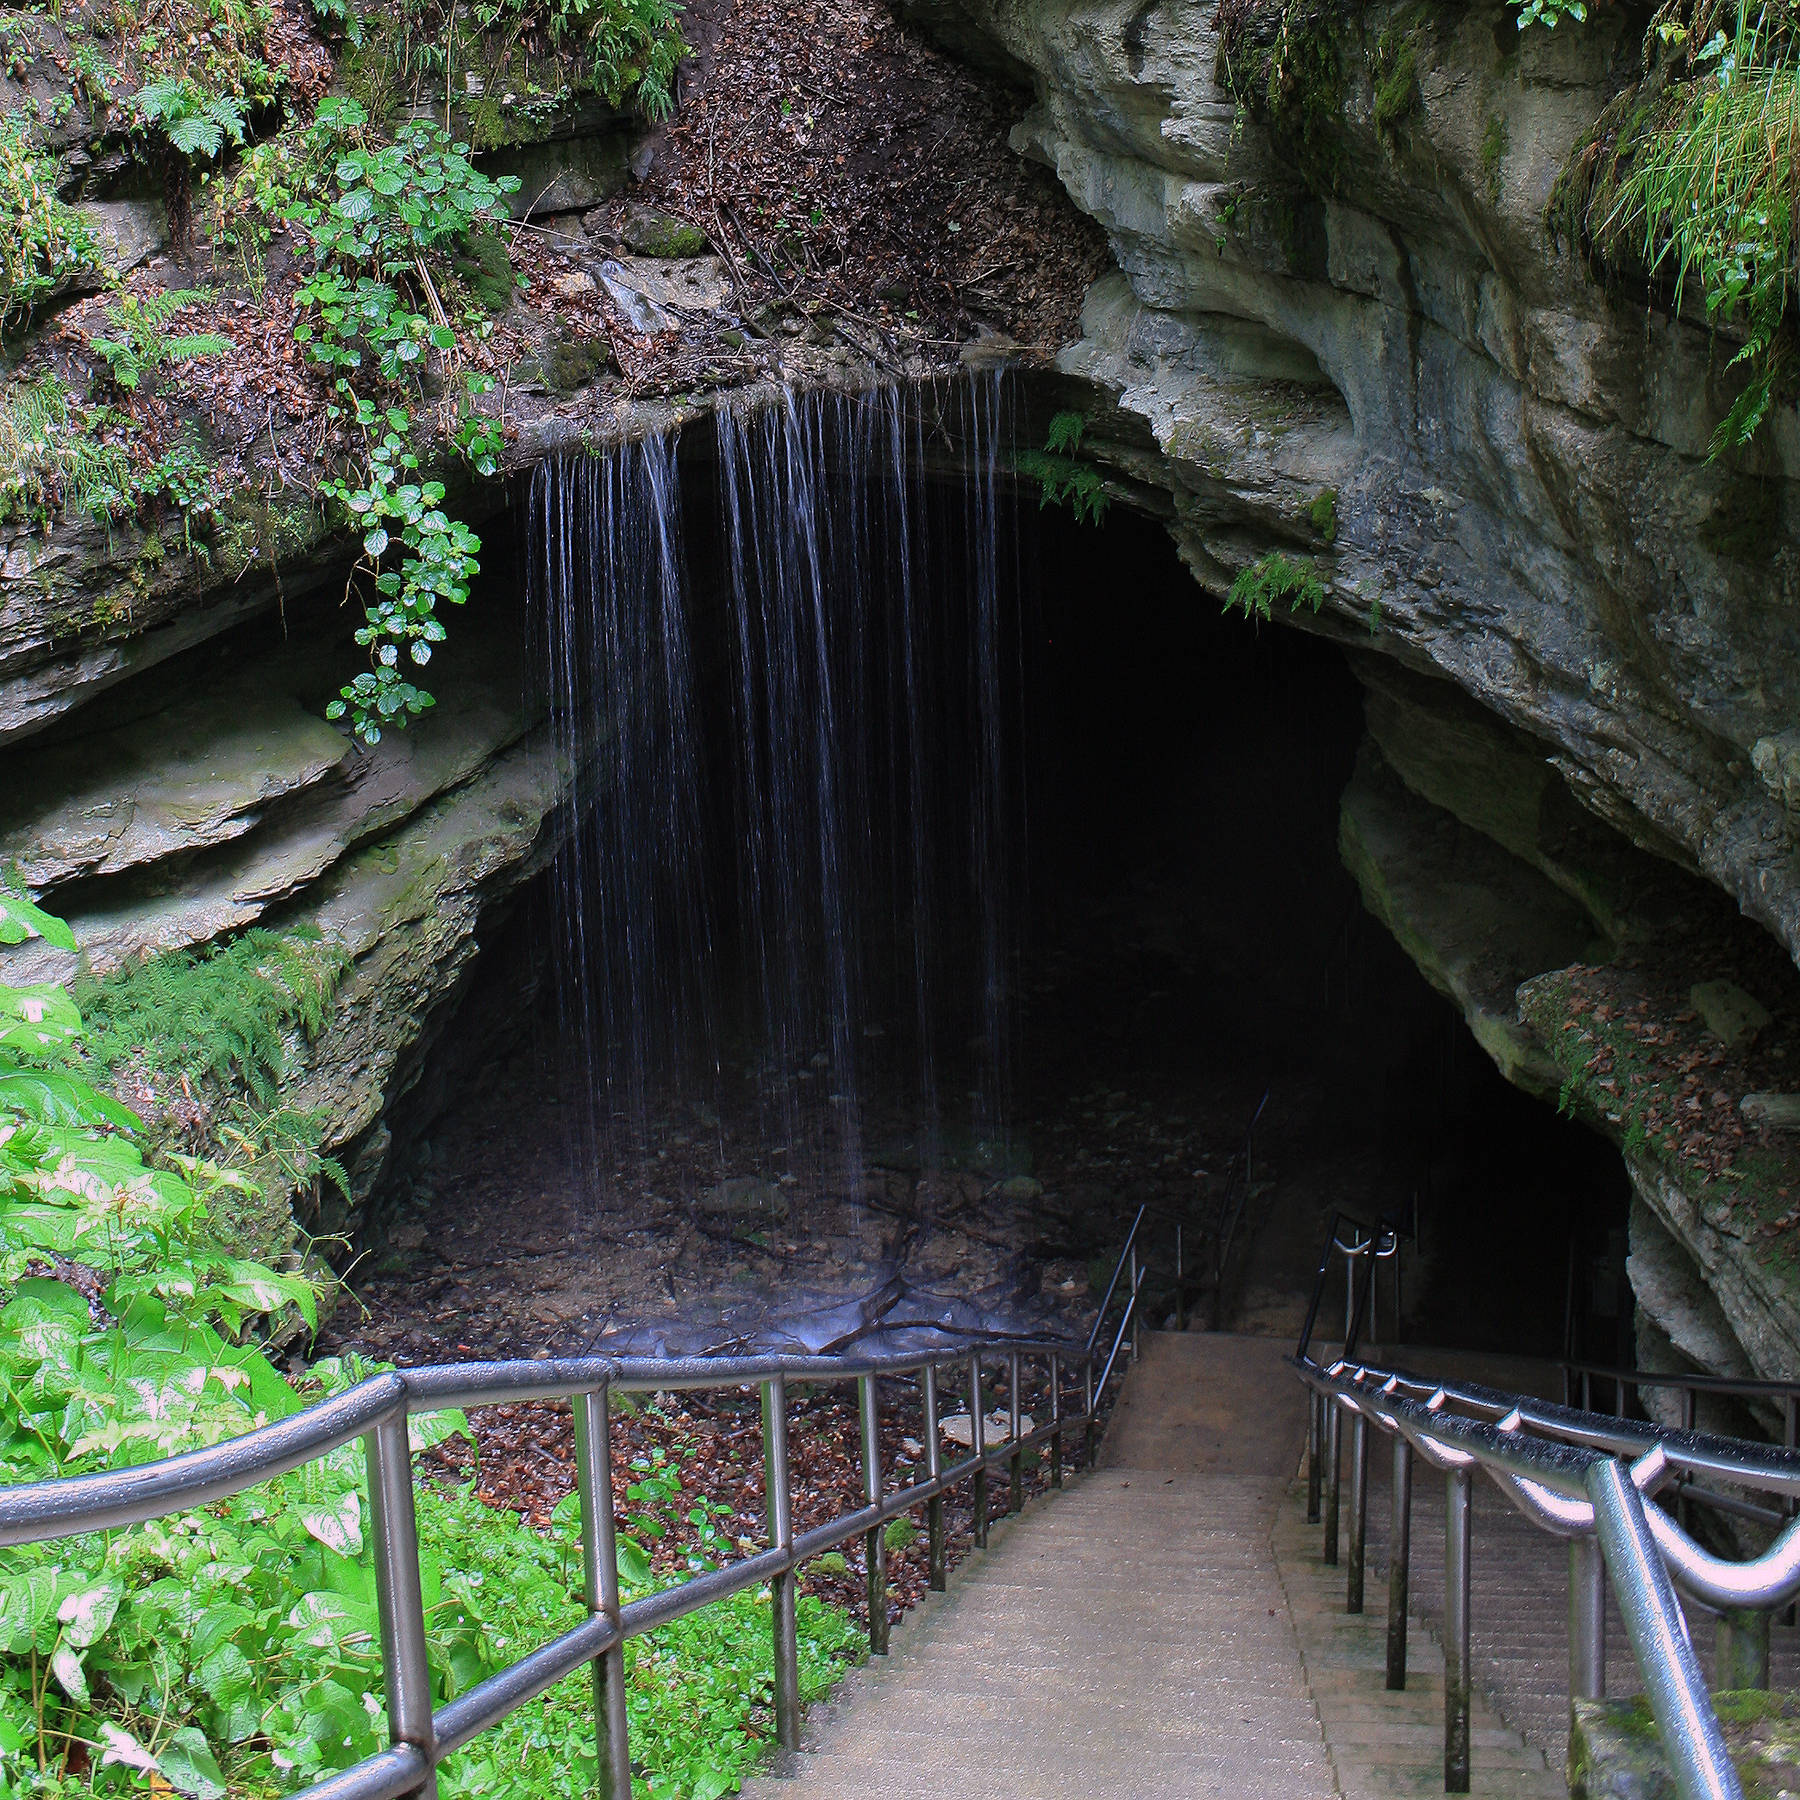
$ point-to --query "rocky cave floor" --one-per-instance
(713, 1237)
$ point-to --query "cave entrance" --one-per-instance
(1089, 912)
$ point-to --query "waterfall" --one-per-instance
(785, 664)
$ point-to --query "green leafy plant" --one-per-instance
(236, 1650)
(192, 121)
(385, 212)
(143, 344)
(1272, 580)
(1064, 477)
(43, 243)
(1551, 13)
(631, 48)
(222, 1013)
(1321, 513)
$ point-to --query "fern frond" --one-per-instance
(221, 1015)
(199, 343)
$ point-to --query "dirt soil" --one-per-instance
(856, 182)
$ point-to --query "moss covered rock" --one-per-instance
(651, 233)
(1616, 1753)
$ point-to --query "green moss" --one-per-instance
(571, 362)
(661, 234)
(259, 532)
(1396, 70)
(1286, 68)
(1495, 142)
(484, 268)
(1321, 514)
(1750, 1706)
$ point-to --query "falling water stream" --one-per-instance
(788, 689)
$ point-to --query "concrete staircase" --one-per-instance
(1128, 1638)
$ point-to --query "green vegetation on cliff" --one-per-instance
(1276, 579)
(1693, 181)
(1064, 476)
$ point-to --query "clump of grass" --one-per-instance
(1703, 191)
(52, 458)
(42, 242)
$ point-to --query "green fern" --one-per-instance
(1274, 578)
(142, 344)
(1063, 477)
(217, 1015)
(195, 123)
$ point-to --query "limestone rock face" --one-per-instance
(1522, 497)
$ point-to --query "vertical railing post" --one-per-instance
(1741, 1650)
(1135, 1310)
(1315, 1452)
(1359, 1512)
(600, 1580)
(1684, 1513)
(978, 1444)
(1399, 1563)
(1180, 1283)
(1334, 1415)
(1015, 1497)
(1790, 1436)
(874, 1541)
(399, 1598)
(1587, 1619)
(1056, 1436)
(934, 1467)
(779, 1507)
(1457, 1676)
(1088, 1435)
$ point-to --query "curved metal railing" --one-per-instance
(376, 1411)
(1582, 1476)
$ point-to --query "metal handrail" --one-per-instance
(1585, 1477)
(1241, 1178)
(1384, 1238)
(377, 1408)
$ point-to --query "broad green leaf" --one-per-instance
(71, 1677)
(633, 1563)
(27, 1612)
(19, 919)
(57, 1099)
(425, 1431)
(338, 1528)
(87, 1613)
(189, 1767)
(39, 1020)
(124, 1749)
